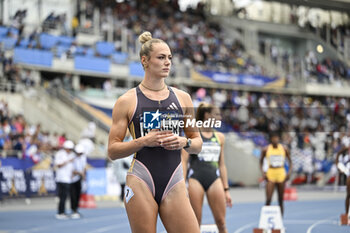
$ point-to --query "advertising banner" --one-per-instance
(238, 79)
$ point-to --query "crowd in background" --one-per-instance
(18, 138)
(325, 71)
(196, 42)
(22, 139)
(314, 128)
(190, 35)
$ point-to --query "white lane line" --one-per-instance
(69, 222)
(327, 220)
(296, 221)
(244, 227)
(291, 221)
(105, 229)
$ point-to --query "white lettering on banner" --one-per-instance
(13, 179)
(45, 176)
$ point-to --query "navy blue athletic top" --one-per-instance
(204, 166)
(159, 162)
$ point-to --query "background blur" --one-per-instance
(269, 65)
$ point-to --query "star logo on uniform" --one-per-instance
(156, 115)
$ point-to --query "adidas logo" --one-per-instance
(172, 106)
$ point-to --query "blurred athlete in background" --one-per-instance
(275, 176)
(207, 172)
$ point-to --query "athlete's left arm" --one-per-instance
(223, 170)
(190, 131)
(289, 162)
(184, 159)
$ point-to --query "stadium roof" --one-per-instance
(337, 5)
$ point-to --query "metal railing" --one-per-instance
(68, 99)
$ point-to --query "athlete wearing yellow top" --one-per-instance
(275, 154)
(276, 157)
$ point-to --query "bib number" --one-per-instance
(276, 161)
(128, 194)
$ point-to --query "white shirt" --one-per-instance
(88, 145)
(79, 166)
(64, 173)
(121, 167)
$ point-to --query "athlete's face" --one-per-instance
(214, 114)
(159, 63)
(275, 140)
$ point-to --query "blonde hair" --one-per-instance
(147, 41)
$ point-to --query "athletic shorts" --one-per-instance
(276, 175)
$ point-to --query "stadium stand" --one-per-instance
(215, 60)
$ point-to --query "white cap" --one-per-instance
(79, 149)
(68, 145)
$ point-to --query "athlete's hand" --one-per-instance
(228, 199)
(155, 137)
(171, 141)
(264, 176)
(287, 177)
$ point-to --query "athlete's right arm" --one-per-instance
(341, 151)
(120, 119)
(262, 157)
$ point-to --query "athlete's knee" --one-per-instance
(348, 196)
(221, 224)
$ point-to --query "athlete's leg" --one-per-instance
(141, 208)
(280, 190)
(347, 199)
(270, 186)
(176, 211)
(196, 192)
(217, 203)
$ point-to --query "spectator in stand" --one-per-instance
(61, 140)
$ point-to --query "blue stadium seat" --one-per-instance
(14, 31)
(3, 31)
(79, 50)
(23, 43)
(65, 40)
(9, 43)
(33, 57)
(119, 57)
(60, 50)
(96, 64)
(104, 48)
(48, 41)
(136, 69)
(90, 52)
